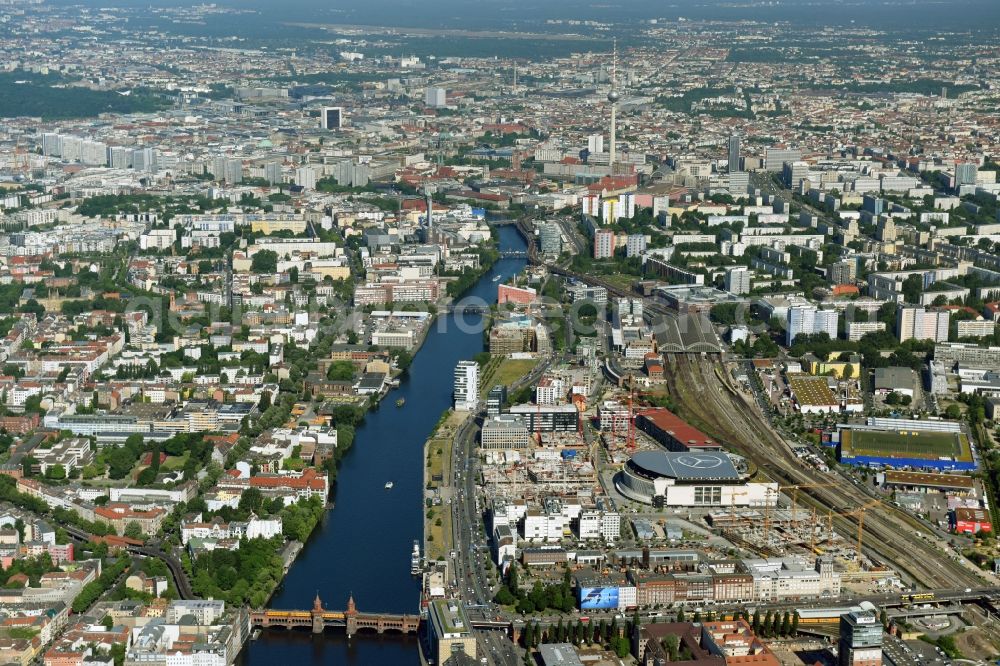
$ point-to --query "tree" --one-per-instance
(251, 500)
(953, 412)
(680, 614)
(55, 472)
(27, 462)
(848, 371)
(504, 597)
(512, 580)
(795, 624)
(621, 646)
(671, 643)
(133, 530)
(265, 261)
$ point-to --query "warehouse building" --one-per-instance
(672, 432)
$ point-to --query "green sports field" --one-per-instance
(906, 444)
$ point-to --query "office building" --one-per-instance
(965, 174)
(873, 204)
(450, 631)
(604, 244)
(794, 173)
(775, 158)
(504, 431)
(496, 399)
(436, 98)
(917, 323)
(738, 280)
(810, 320)
(860, 639)
(548, 418)
(635, 245)
(331, 117)
(466, 386)
(734, 153)
(966, 353)
(550, 239)
(739, 183)
(595, 144)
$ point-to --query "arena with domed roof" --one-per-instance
(692, 479)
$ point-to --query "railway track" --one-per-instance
(705, 398)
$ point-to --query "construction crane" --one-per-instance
(795, 498)
(859, 513)
(795, 491)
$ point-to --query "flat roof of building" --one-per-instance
(448, 617)
(680, 429)
(687, 466)
(809, 390)
(559, 654)
(930, 480)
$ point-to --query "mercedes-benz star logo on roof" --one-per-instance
(699, 462)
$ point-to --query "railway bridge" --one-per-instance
(318, 619)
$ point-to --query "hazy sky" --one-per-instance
(943, 14)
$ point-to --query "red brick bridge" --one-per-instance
(318, 619)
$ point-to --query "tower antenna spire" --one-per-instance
(613, 99)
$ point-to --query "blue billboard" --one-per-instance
(592, 598)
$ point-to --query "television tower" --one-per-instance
(430, 207)
(613, 98)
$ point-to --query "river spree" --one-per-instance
(363, 545)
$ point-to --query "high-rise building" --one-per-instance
(775, 158)
(550, 239)
(495, 400)
(272, 173)
(595, 144)
(635, 245)
(436, 97)
(738, 280)
(885, 230)
(917, 323)
(873, 204)
(860, 639)
(331, 117)
(734, 153)
(466, 386)
(739, 183)
(810, 320)
(305, 177)
(843, 272)
(604, 244)
(965, 173)
(227, 170)
(794, 173)
(119, 157)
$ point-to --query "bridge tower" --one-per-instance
(351, 617)
(317, 615)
